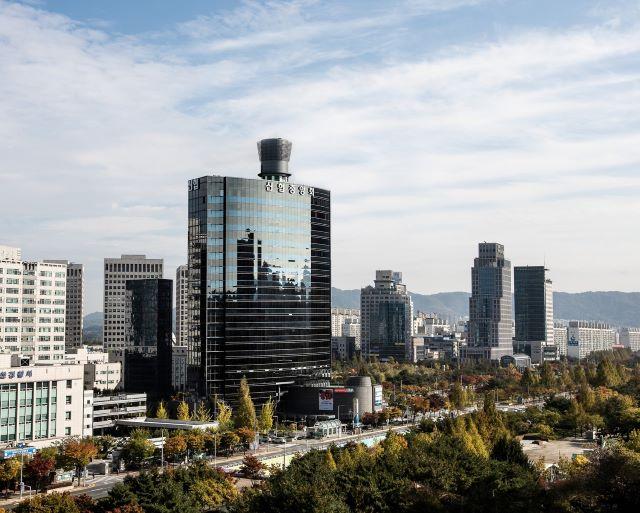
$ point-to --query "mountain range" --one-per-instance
(615, 308)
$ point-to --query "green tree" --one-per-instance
(458, 396)
(202, 414)
(228, 441)
(266, 416)
(246, 412)
(161, 411)
(224, 416)
(607, 374)
(78, 453)
(137, 450)
(183, 411)
(9, 469)
(56, 503)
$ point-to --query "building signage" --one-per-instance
(326, 399)
(283, 187)
(377, 396)
(343, 390)
(10, 453)
(572, 342)
(194, 184)
(15, 374)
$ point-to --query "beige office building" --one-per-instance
(182, 305)
(116, 273)
(75, 303)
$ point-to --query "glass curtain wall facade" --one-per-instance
(533, 306)
(259, 285)
(148, 350)
(490, 312)
(24, 411)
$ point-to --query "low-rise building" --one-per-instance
(107, 409)
(344, 348)
(519, 361)
(40, 405)
(446, 347)
(99, 373)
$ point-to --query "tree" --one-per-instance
(458, 396)
(195, 441)
(202, 414)
(225, 416)
(79, 452)
(56, 503)
(39, 468)
(175, 447)
(228, 441)
(266, 416)
(183, 411)
(161, 411)
(246, 412)
(246, 436)
(9, 469)
(251, 466)
(137, 449)
(213, 493)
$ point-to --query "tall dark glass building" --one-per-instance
(148, 329)
(259, 280)
(533, 308)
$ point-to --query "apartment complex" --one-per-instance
(117, 271)
(182, 305)
(32, 307)
(386, 313)
(585, 337)
(490, 315)
(630, 337)
(75, 303)
(560, 337)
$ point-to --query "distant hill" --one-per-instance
(615, 308)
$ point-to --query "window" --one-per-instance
(67, 431)
(68, 400)
(69, 383)
(67, 415)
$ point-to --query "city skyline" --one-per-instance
(433, 123)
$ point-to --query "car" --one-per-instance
(278, 440)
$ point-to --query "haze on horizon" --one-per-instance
(436, 124)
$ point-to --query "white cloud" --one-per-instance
(531, 139)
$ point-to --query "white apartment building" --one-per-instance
(182, 306)
(32, 307)
(179, 367)
(585, 337)
(116, 273)
(342, 316)
(99, 373)
(560, 338)
(630, 337)
(40, 404)
(430, 325)
(75, 303)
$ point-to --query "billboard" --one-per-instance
(377, 397)
(325, 397)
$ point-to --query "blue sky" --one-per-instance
(436, 124)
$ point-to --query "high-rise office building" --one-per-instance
(75, 303)
(116, 273)
(490, 335)
(386, 313)
(148, 350)
(182, 310)
(259, 280)
(32, 307)
(533, 313)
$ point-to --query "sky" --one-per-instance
(436, 124)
